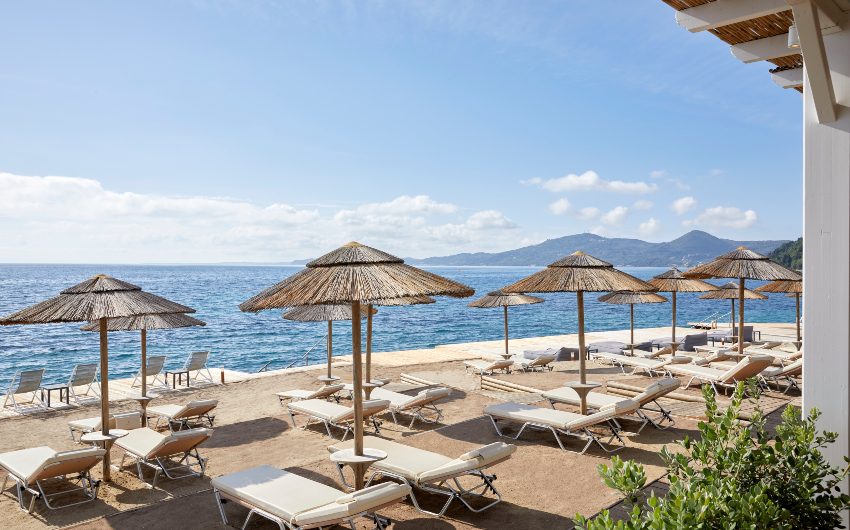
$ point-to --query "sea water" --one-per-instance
(249, 341)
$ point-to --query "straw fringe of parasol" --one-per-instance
(673, 282)
(632, 298)
(504, 300)
(743, 264)
(99, 298)
(579, 272)
(794, 289)
(354, 274)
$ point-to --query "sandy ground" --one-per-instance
(542, 486)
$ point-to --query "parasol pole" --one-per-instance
(358, 391)
(368, 343)
(104, 392)
(797, 300)
(732, 321)
(330, 346)
(506, 331)
(632, 328)
(741, 316)
(582, 376)
(144, 333)
(673, 339)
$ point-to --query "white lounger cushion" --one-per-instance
(639, 362)
(482, 365)
(43, 462)
(334, 412)
(793, 369)
(559, 419)
(189, 410)
(399, 401)
(747, 367)
(597, 400)
(147, 443)
(302, 501)
(420, 466)
(126, 420)
(319, 393)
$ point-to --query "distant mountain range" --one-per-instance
(690, 249)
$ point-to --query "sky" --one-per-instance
(203, 131)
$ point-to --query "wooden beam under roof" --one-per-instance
(724, 12)
(817, 70)
(770, 47)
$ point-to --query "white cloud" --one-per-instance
(615, 216)
(683, 205)
(560, 207)
(657, 174)
(49, 219)
(591, 181)
(588, 212)
(649, 227)
(642, 205)
(725, 217)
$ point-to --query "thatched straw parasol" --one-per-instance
(371, 311)
(143, 323)
(673, 281)
(354, 274)
(579, 272)
(794, 288)
(505, 300)
(632, 298)
(97, 299)
(729, 291)
(743, 264)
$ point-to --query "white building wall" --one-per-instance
(826, 255)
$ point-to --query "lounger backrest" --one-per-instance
(427, 396)
(789, 347)
(325, 391)
(473, 460)
(667, 350)
(370, 407)
(747, 367)
(127, 421)
(155, 364)
(197, 360)
(618, 409)
(500, 364)
(366, 500)
(68, 463)
(694, 339)
(196, 408)
(83, 375)
(656, 390)
(179, 442)
(27, 381)
(543, 360)
(793, 369)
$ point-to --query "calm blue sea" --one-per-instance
(245, 341)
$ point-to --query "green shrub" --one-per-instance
(735, 476)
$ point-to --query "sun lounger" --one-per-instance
(174, 454)
(564, 353)
(414, 406)
(35, 470)
(600, 401)
(777, 374)
(126, 420)
(294, 502)
(646, 354)
(433, 472)
(25, 382)
(782, 357)
(483, 367)
(638, 364)
(541, 363)
(83, 375)
(197, 362)
(180, 416)
(562, 422)
(153, 369)
(750, 366)
(334, 414)
(326, 392)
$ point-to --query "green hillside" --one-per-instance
(789, 254)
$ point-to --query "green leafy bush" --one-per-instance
(735, 476)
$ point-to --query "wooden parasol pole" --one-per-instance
(144, 333)
(673, 339)
(330, 346)
(741, 316)
(632, 328)
(506, 331)
(732, 321)
(368, 343)
(581, 350)
(104, 392)
(358, 391)
(797, 300)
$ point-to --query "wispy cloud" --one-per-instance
(723, 217)
(590, 181)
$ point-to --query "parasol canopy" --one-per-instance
(579, 272)
(505, 300)
(99, 298)
(632, 298)
(354, 274)
(743, 264)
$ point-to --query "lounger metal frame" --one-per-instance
(156, 376)
(167, 465)
(418, 413)
(643, 417)
(588, 435)
(88, 487)
(185, 422)
(347, 427)
(443, 487)
(20, 388)
(381, 523)
(199, 372)
(89, 386)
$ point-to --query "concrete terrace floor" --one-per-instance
(252, 429)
